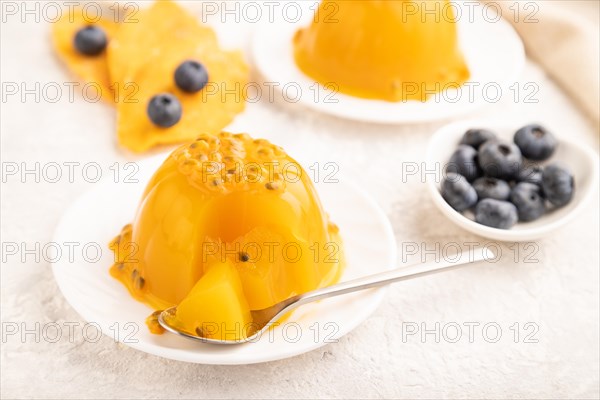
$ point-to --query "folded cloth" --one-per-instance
(564, 43)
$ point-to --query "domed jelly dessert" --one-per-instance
(389, 50)
(226, 225)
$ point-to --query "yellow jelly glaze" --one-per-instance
(395, 50)
(226, 225)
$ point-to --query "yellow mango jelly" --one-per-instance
(388, 50)
(216, 306)
(226, 225)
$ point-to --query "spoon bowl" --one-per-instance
(263, 319)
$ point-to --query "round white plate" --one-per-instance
(579, 159)
(98, 216)
(493, 51)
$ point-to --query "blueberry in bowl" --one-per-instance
(500, 159)
(458, 192)
(491, 188)
(535, 142)
(464, 162)
(517, 198)
(496, 213)
(530, 174)
(476, 137)
(528, 199)
(558, 184)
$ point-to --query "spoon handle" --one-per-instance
(396, 275)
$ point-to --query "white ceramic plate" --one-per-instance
(493, 50)
(98, 216)
(579, 159)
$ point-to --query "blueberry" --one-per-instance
(458, 192)
(90, 40)
(500, 159)
(496, 213)
(464, 162)
(558, 184)
(491, 188)
(476, 137)
(531, 174)
(528, 199)
(535, 142)
(164, 110)
(191, 76)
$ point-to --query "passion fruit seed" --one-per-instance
(164, 110)
(153, 324)
(90, 40)
(272, 186)
(199, 331)
(231, 156)
(333, 227)
(139, 283)
(244, 257)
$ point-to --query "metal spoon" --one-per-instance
(262, 319)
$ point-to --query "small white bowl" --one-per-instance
(579, 159)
